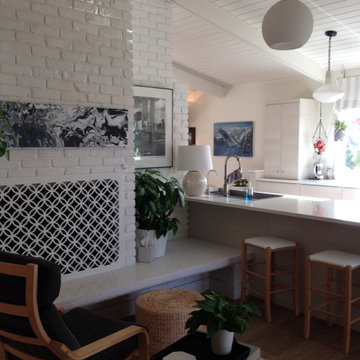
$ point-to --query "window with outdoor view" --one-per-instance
(347, 129)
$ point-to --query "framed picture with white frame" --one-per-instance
(152, 127)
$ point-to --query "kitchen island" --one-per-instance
(315, 224)
(333, 211)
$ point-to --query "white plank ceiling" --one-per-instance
(208, 50)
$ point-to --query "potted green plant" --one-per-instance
(222, 320)
(339, 132)
(155, 200)
(5, 129)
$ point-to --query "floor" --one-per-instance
(282, 340)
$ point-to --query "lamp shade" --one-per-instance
(287, 25)
(329, 92)
(194, 158)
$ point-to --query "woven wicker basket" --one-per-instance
(164, 313)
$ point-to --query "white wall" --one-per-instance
(79, 52)
(152, 58)
(242, 103)
(70, 52)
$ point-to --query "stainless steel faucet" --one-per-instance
(225, 189)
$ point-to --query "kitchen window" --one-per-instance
(348, 152)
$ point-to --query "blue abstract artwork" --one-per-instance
(233, 138)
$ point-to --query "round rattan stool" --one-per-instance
(164, 312)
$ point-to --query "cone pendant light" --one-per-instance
(329, 92)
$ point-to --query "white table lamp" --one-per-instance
(194, 159)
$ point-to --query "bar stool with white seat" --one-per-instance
(332, 259)
(271, 245)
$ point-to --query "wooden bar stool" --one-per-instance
(271, 245)
(332, 259)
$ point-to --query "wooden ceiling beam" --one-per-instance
(199, 81)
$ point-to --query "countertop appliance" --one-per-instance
(318, 171)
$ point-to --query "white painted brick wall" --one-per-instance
(77, 52)
(71, 52)
(152, 48)
(52, 45)
(180, 137)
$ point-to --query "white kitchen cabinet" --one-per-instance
(350, 194)
(272, 143)
(320, 191)
(335, 191)
(278, 187)
(289, 127)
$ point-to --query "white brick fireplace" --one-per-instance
(75, 52)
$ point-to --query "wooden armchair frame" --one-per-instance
(30, 311)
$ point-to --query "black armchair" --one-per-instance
(32, 328)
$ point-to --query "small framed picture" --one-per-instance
(234, 138)
(152, 127)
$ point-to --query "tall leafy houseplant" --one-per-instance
(5, 129)
(155, 200)
(222, 319)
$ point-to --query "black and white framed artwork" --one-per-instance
(152, 127)
(44, 125)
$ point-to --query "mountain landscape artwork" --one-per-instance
(45, 125)
(233, 138)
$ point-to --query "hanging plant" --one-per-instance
(339, 132)
(340, 125)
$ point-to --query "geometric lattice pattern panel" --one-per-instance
(75, 224)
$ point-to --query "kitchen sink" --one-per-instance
(242, 194)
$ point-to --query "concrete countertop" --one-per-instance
(184, 257)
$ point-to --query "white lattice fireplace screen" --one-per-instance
(75, 224)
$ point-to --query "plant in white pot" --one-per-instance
(156, 198)
(6, 132)
(339, 132)
(222, 320)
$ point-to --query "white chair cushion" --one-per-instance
(269, 241)
(338, 258)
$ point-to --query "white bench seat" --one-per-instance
(183, 258)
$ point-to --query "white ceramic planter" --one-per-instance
(221, 343)
(145, 254)
(339, 135)
(148, 238)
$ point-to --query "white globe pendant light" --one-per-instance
(329, 92)
(287, 25)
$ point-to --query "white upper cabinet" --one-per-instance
(272, 148)
(289, 127)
